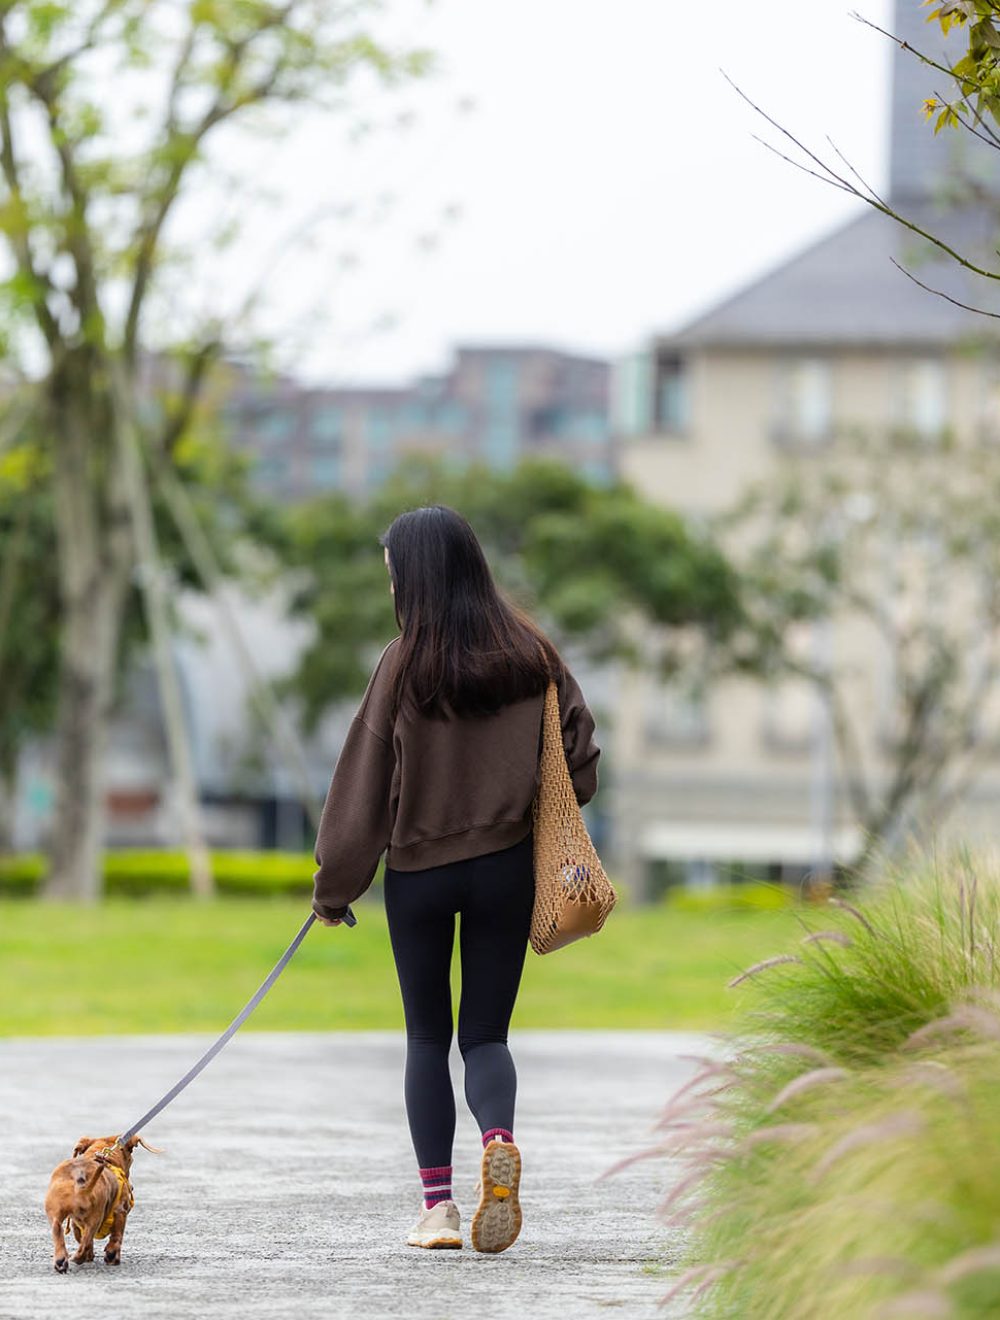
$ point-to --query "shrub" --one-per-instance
(135, 874)
(21, 874)
(844, 1158)
(732, 898)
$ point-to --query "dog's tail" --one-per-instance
(91, 1182)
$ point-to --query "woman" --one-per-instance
(439, 768)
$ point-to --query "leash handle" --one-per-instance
(349, 919)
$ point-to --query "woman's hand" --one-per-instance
(336, 921)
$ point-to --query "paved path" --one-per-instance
(289, 1184)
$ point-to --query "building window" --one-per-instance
(379, 427)
(413, 416)
(632, 395)
(324, 471)
(804, 411)
(677, 716)
(450, 417)
(502, 386)
(673, 405)
(788, 723)
(989, 406)
(275, 425)
(920, 402)
(272, 471)
(327, 422)
(790, 703)
(570, 423)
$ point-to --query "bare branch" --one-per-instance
(834, 177)
(981, 311)
(831, 177)
(804, 169)
(924, 59)
(863, 181)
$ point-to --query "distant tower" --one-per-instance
(919, 161)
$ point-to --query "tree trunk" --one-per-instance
(147, 557)
(94, 557)
(8, 801)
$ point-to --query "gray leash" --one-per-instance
(349, 920)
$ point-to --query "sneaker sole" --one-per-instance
(442, 1241)
(497, 1221)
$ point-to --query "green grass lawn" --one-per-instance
(175, 965)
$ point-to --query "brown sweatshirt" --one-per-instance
(431, 791)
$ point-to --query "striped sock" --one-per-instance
(436, 1184)
(498, 1134)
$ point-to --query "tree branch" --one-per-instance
(44, 87)
(180, 416)
(19, 241)
(940, 293)
(833, 179)
(161, 202)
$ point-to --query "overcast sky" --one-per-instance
(580, 174)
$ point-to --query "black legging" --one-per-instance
(494, 895)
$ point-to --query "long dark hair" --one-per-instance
(464, 646)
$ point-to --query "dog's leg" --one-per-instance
(60, 1262)
(113, 1251)
(85, 1251)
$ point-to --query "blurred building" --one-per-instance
(495, 405)
(250, 796)
(835, 339)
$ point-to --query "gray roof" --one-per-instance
(845, 289)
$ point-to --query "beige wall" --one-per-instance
(736, 775)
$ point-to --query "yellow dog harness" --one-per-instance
(124, 1193)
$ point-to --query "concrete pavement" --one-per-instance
(289, 1182)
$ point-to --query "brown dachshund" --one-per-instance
(92, 1194)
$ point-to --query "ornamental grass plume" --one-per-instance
(843, 1158)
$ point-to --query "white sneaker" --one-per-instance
(497, 1221)
(437, 1227)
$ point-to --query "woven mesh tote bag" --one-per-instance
(573, 896)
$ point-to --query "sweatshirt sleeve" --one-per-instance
(582, 752)
(355, 825)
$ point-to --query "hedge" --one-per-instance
(135, 874)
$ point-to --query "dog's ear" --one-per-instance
(82, 1145)
(138, 1141)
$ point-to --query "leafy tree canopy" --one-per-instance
(593, 561)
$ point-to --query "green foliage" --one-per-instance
(215, 479)
(731, 898)
(129, 873)
(977, 72)
(591, 559)
(29, 602)
(847, 1149)
(208, 62)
